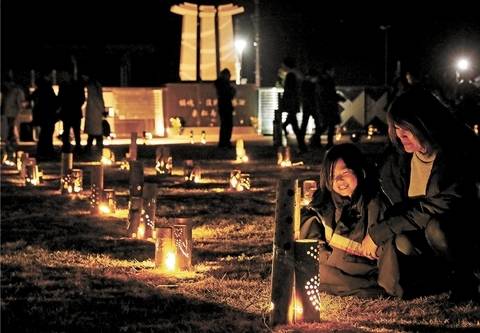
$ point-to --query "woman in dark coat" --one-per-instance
(432, 182)
(345, 205)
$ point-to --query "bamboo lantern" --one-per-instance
(308, 189)
(66, 166)
(109, 202)
(132, 150)
(108, 157)
(307, 281)
(241, 153)
(239, 181)
(164, 249)
(191, 172)
(182, 238)
(286, 226)
(163, 161)
(147, 219)
(96, 188)
(33, 176)
(203, 138)
(22, 158)
(279, 155)
(136, 178)
(134, 214)
(74, 181)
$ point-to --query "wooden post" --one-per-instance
(277, 127)
(135, 206)
(163, 246)
(136, 178)
(96, 187)
(147, 220)
(66, 166)
(307, 298)
(283, 252)
(132, 151)
(182, 236)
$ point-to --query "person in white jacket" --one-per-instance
(94, 113)
(13, 103)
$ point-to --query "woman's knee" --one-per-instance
(405, 246)
(436, 236)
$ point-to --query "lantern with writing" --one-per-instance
(307, 282)
(163, 161)
(308, 189)
(173, 245)
(108, 203)
(239, 181)
(191, 172)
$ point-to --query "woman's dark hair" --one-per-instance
(423, 114)
(353, 158)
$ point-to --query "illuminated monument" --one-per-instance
(216, 24)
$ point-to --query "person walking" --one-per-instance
(310, 108)
(328, 102)
(225, 94)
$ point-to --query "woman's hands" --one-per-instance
(369, 248)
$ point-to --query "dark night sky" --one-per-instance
(42, 34)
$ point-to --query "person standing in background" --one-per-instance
(13, 99)
(94, 113)
(225, 94)
(71, 95)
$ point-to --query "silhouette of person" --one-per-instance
(290, 101)
(225, 94)
(71, 95)
(44, 114)
(13, 99)
(94, 113)
(328, 102)
(310, 107)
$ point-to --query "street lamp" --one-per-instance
(239, 46)
(462, 66)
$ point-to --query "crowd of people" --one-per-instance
(48, 108)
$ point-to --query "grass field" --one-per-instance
(64, 270)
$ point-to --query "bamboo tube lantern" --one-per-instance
(96, 188)
(73, 181)
(109, 202)
(239, 181)
(287, 157)
(33, 176)
(203, 138)
(147, 219)
(66, 165)
(192, 140)
(132, 150)
(308, 189)
(134, 214)
(163, 161)
(307, 281)
(22, 158)
(136, 178)
(241, 153)
(281, 311)
(108, 157)
(191, 172)
(182, 238)
(164, 249)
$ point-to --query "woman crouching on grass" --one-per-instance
(346, 204)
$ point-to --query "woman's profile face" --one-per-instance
(409, 140)
(344, 180)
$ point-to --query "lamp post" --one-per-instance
(385, 29)
(239, 46)
(462, 66)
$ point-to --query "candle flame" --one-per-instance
(170, 261)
